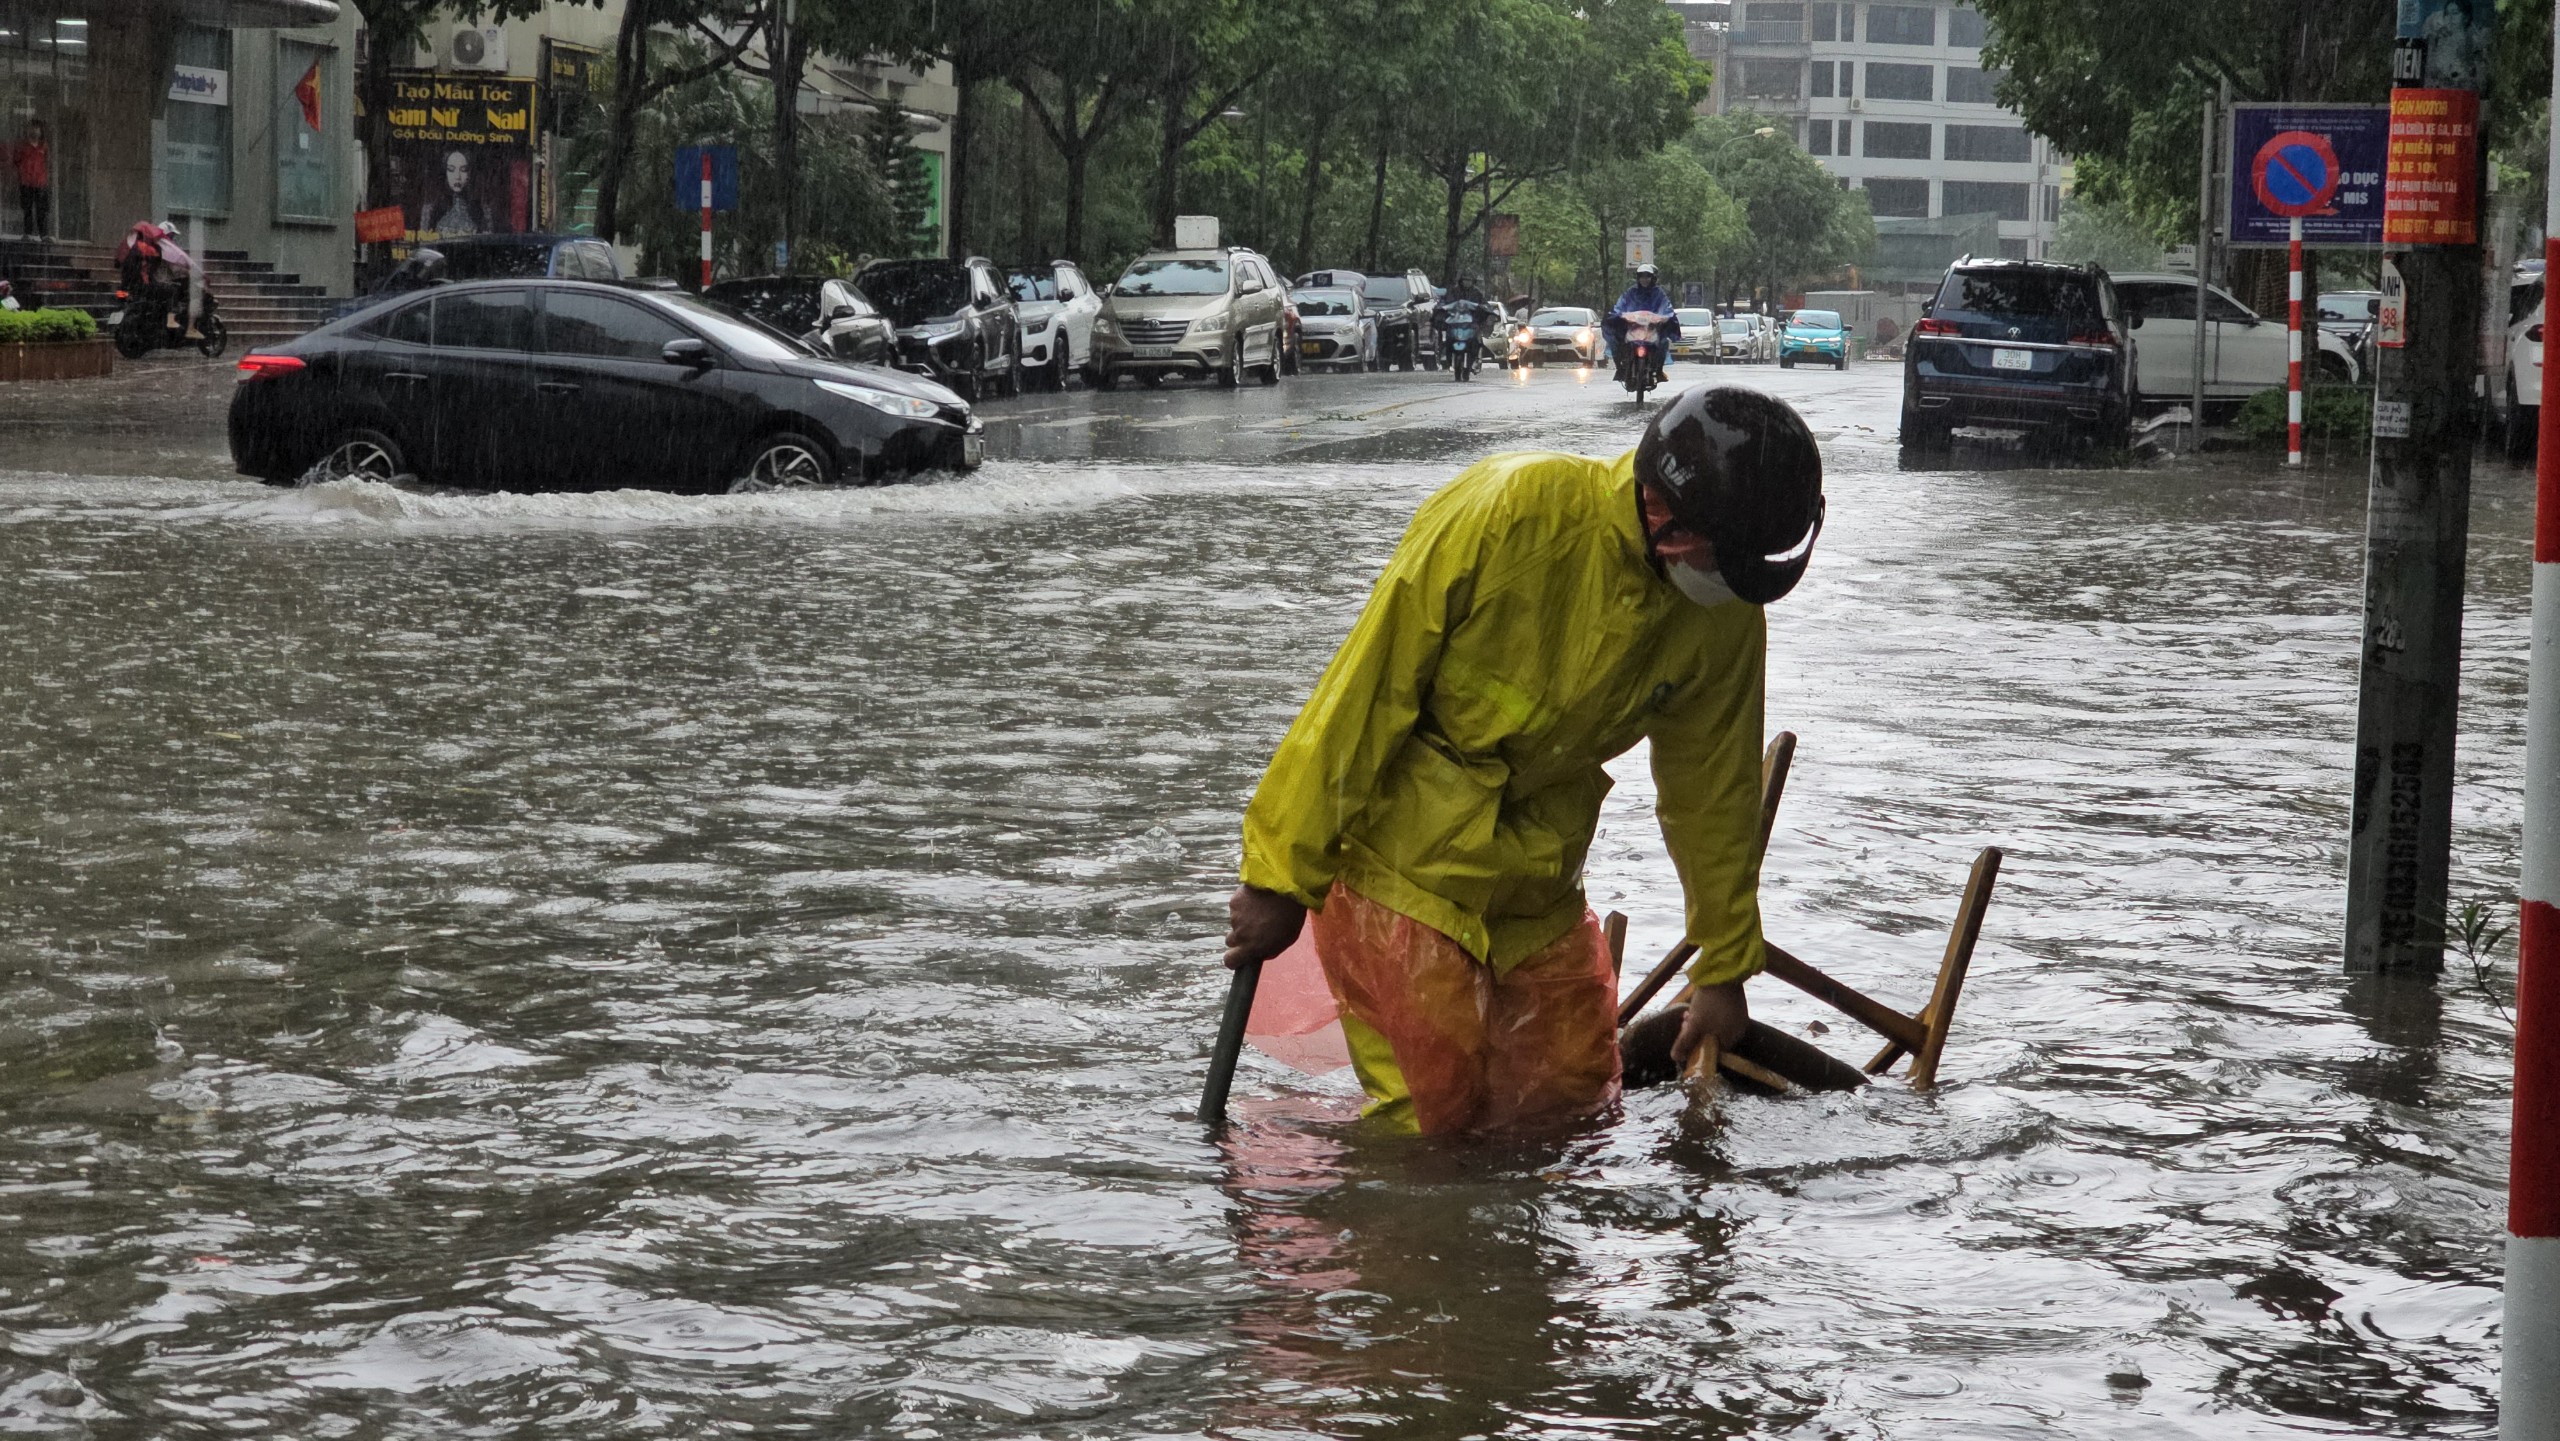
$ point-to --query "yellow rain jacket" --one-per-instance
(1449, 763)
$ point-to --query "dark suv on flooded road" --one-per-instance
(2019, 345)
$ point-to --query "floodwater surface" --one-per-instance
(630, 965)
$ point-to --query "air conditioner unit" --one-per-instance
(474, 47)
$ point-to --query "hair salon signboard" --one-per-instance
(462, 155)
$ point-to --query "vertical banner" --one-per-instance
(2431, 195)
(462, 155)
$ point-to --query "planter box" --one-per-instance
(57, 360)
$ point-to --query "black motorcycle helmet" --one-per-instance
(1740, 468)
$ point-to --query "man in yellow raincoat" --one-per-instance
(1434, 801)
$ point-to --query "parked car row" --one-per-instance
(2072, 351)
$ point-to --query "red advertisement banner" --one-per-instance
(2431, 187)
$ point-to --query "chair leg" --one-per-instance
(1939, 1017)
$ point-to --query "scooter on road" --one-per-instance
(1640, 368)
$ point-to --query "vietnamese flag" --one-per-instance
(307, 91)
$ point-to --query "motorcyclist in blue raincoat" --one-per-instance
(1646, 294)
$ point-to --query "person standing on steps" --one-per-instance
(33, 165)
(1433, 803)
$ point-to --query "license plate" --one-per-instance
(973, 448)
(1151, 352)
(1310, 347)
(2013, 359)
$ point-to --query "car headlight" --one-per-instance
(1034, 327)
(1210, 324)
(1105, 325)
(886, 402)
(939, 330)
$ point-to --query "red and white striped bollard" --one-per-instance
(2293, 353)
(706, 217)
(2529, 1371)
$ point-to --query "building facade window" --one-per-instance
(1972, 85)
(1822, 22)
(306, 172)
(1764, 23)
(1901, 198)
(1772, 80)
(1821, 84)
(195, 149)
(1900, 82)
(2052, 204)
(2001, 144)
(1890, 141)
(1966, 30)
(1902, 25)
(1988, 197)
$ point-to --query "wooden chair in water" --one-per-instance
(1922, 1037)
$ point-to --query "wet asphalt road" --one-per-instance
(640, 965)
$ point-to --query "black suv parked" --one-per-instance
(2019, 344)
(955, 319)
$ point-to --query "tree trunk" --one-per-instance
(955, 165)
(790, 56)
(1310, 183)
(1026, 192)
(1377, 207)
(373, 91)
(1451, 231)
(1170, 143)
(630, 78)
(1072, 245)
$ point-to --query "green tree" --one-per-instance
(2096, 232)
(906, 189)
(1800, 222)
(2122, 87)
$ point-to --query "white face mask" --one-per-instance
(1706, 587)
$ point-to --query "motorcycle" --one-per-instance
(151, 321)
(1642, 367)
(1458, 336)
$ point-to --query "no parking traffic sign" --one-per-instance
(2296, 173)
(2323, 163)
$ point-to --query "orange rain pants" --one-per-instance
(1444, 1043)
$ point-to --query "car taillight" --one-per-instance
(254, 366)
(2535, 334)
(2095, 337)
(1932, 325)
(120, 295)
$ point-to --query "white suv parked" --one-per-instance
(2243, 352)
(2515, 391)
(1057, 305)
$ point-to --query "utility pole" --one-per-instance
(2529, 1370)
(2418, 507)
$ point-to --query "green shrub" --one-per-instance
(2329, 413)
(38, 326)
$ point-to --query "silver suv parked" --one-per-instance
(1191, 312)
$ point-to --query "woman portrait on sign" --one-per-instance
(454, 212)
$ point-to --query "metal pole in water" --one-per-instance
(2418, 502)
(1222, 1060)
(2529, 1370)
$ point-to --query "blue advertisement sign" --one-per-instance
(2283, 156)
(724, 177)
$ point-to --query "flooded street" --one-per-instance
(638, 965)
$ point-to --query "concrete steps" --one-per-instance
(260, 304)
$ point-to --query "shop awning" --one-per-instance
(260, 14)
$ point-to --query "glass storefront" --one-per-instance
(195, 153)
(44, 76)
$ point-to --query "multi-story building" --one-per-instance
(1893, 99)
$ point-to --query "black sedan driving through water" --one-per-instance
(561, 385)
